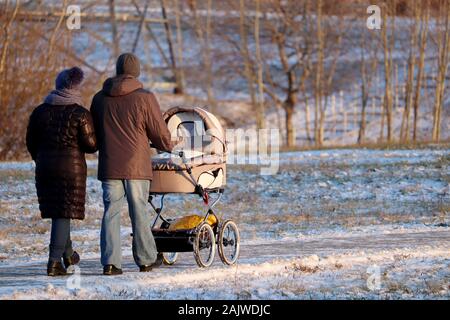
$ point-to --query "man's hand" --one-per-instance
(178, 141)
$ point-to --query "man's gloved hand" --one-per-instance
(179, 140)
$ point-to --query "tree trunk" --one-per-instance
(141, 25)
(260, 114)
(208, 65)
(318, 122)
(180, 71)
(179, 86)
(115, 40)
(424, 17)
(246, 56)
(383, 115)
(443, 61)
(307, 116)
(306, 73)
(387, 105)
(153, 38)
(206, 49)
(289, 107)
(404, 132)
(364, 93)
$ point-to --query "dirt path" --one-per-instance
(31, 275)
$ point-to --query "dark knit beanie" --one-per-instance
(69, 78)
(128, 63)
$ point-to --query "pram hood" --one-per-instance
(201, 130)
(205, 152)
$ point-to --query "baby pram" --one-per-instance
(198, 167)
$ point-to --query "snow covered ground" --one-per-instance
(332, 224)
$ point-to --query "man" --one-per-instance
(125, 117)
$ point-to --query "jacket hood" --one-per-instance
(121, 85)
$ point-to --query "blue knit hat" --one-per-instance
(69, 79)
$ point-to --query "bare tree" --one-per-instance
(405, 129)
(7, 35)
(179, 36)
(51, 45)
(115, 38)
(141, 25)
(387, 47)
(248, 65)
(155, 39)
(443, 62)
(334, 53)
(252, 61)
(3, 71)
(179, 85)
(366, 83)
(208, 65)
(20, 60)
(289, 37)
(307, 69)
(204, 37)
(260, 115)
(424, 18)
(318, 110)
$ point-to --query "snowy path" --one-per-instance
(270, 259)
(338, 244)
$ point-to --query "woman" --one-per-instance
(60, 132)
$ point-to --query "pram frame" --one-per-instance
(204, 193)
(187, 240)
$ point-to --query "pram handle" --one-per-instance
(181, 154)
(178, 153)
(198, 188)
(183, 158)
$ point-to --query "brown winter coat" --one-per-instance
(57, 139)
(126, 117)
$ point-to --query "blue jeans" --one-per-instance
(60, 243)
(136, 192)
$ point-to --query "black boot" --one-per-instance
(156, 264)
(72, 260)
(111, 270)
(55, 268)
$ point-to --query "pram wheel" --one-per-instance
(228, 242)
(169, 258)
(204, 245)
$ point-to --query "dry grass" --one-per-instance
(435, 287)
(3, 233)
(397, 287)
(376, 146)
(306, 269)
(287, 288)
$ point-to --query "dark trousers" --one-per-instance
(60, 242)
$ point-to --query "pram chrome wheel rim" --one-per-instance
(229, 242)
(169, 258)
(204, 245)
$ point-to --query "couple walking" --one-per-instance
(123, 118)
